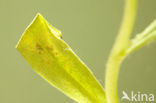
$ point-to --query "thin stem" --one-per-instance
(141, 39)
(118, 52)
(144, 41)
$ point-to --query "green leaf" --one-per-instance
(42, 47)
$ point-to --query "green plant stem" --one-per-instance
(118, 52)
(144, 38)
(142, 42)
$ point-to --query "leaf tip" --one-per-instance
(39, 15)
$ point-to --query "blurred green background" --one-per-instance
(90, 28)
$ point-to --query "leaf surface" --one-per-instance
(42, 47)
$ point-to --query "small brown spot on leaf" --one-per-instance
(39, 47)
(50, 48)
